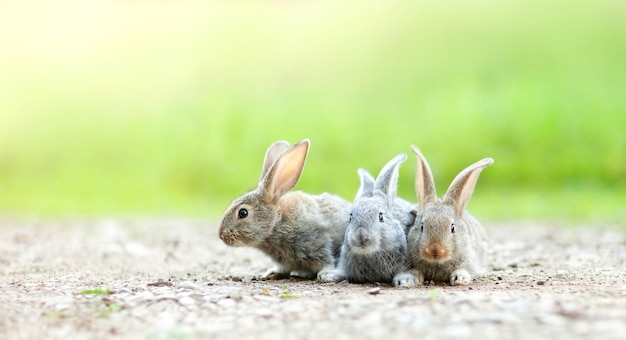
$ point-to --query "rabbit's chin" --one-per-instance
(436, 260)
(234, 243)
(238, 243)
(364, 250)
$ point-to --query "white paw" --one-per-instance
(331, 275)
(419, 276)
(275, 273)
(405, 279)
(460, 277)
(303, 274)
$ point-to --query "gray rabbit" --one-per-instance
(374, 247)
(302, 233)
(446, 243)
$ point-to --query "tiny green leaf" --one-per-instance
(286, 295)
(96, 291)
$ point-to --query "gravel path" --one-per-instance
(175, 279)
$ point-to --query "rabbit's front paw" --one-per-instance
(275, 273)
(419, 276)
(332, 275)
(404, 280)
(460, 277)
(303, 275)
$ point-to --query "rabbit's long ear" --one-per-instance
(387, 180)
(283, 175)
(271, 154)
(462, 187)
(367, 183)
(424, 182)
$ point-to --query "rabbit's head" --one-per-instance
(441, 224)
(372, 211)
(250, 218)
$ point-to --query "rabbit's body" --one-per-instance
(402, 211)
(290, 243)
(374, 247)
(446, 243)
(389, 257)
(301, 232)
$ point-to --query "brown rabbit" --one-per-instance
(301, 232)
(446, 243)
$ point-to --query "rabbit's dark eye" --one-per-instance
(243, 213)
(452, 227)
(422, 227)
(380, 217)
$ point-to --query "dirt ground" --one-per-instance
(170, 278)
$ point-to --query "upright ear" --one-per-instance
(462, 187)
(424, 182)
(387, 180)
(271, 154)
(367, 183)
(283, 175)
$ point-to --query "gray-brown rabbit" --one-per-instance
(446, 243)
(301, 232)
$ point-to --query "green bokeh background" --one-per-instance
(167, 108)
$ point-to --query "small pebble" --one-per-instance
(62, 307)
(186, 301)
(541, 283)
(187, 285)
(162, 297)
(374, 291)
(264, 312)
(226, 303)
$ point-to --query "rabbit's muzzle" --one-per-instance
(435, 252)
(229, 237)
(361, 241)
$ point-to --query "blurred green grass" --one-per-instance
(168, 108)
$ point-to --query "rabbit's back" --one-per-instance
(475, 251)
(402, 212)
(309, 232)
(335, 214)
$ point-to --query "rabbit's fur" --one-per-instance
(374, 248)
(446, 243)
(302, 233)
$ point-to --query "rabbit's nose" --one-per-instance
(436, 251)
(227, 237)
(362, 237)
